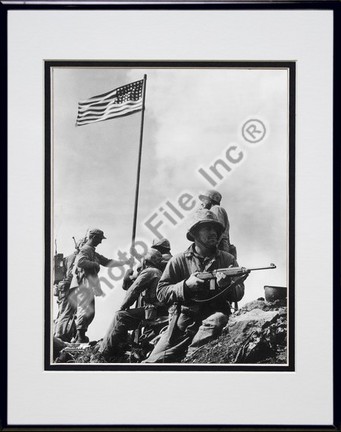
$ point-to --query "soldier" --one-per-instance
(64, 326)
(211, 201)
(87, 283)
(194, 322)
(129, 319)
(164, 247)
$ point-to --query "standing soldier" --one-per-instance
(211, 201)
(87, 283)
(196, 317)
(64, 326)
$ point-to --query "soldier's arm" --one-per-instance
(107, 262)
(221, 214)
(128, 279)
(171, 287)
(141, 283)
(227, 222)
(85, 262)
(69, 262)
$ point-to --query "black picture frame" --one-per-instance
(257, 5)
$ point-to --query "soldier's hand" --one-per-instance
(222, 279)
(128, 273)
(194, 284)
(130, 261)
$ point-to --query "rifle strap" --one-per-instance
(233, 284)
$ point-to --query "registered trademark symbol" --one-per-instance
(253, 131)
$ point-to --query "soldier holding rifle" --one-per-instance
(194, 319)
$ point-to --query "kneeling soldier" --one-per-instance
(129, 319)
(195, 322)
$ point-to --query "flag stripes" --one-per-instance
(119, 102)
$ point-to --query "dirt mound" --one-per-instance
(256, 334)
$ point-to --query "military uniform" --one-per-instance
(193, 323)
(64, 325)
(129, 319)
(163, 246)
(87, 284)
(212, 198)
(222, 217)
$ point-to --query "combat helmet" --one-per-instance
(201, 217)
(162, 244)
(153, 257)
(211, 194)
(97, 232)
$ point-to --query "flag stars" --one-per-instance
(121, 101)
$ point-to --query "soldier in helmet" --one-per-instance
(164, 247)
(86, 281)
(211, 201)
(129, 319)
(195, 319)
(64, 325)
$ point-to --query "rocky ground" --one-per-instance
(256, 334)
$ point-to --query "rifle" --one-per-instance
(58, 265)
(76, 245)
(230, 271)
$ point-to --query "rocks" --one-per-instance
(80, 353)
(256, 334)
(58, 346)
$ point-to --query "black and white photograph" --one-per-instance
(169, 215)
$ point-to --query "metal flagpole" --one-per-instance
(139, 164)
(137, 332)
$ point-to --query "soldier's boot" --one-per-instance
(80, 337)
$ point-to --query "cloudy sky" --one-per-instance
(192, 117)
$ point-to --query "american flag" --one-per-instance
(120, 102)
